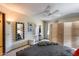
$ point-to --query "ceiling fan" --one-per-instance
(48, 11)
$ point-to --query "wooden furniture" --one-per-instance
(2, 34)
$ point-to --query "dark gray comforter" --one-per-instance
(49, 50)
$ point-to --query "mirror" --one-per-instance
(19, 31)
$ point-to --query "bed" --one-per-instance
(45, 48)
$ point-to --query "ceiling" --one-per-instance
(35, 8)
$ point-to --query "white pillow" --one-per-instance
(44, 40)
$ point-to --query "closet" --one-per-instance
(2, 33)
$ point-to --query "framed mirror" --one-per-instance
(19, 31)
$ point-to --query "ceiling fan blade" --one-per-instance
(47, 11)
(48, 7)
(53, 12)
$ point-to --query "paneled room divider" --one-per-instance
(66, 33)
(57, 33)
(61, 33)
(75, 34)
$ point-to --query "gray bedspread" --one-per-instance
(49, 50)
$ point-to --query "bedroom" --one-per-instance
(38, 22)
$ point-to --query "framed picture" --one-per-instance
(31, 28)
(19, 31)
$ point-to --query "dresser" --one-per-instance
(2, 34)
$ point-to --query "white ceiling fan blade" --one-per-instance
(53, 12)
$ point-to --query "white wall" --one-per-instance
(11, 17)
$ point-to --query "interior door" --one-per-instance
(2, 34)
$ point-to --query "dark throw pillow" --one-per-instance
(44, 43)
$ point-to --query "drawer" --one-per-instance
(1, 51)
(1, 40)
(1, 44)
(1, 48)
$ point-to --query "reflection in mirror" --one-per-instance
(19, 31)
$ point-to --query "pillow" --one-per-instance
(67, 53)
(53, 43)
(68, 49)
(44, 43)
(44, 40)
(76, 53)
